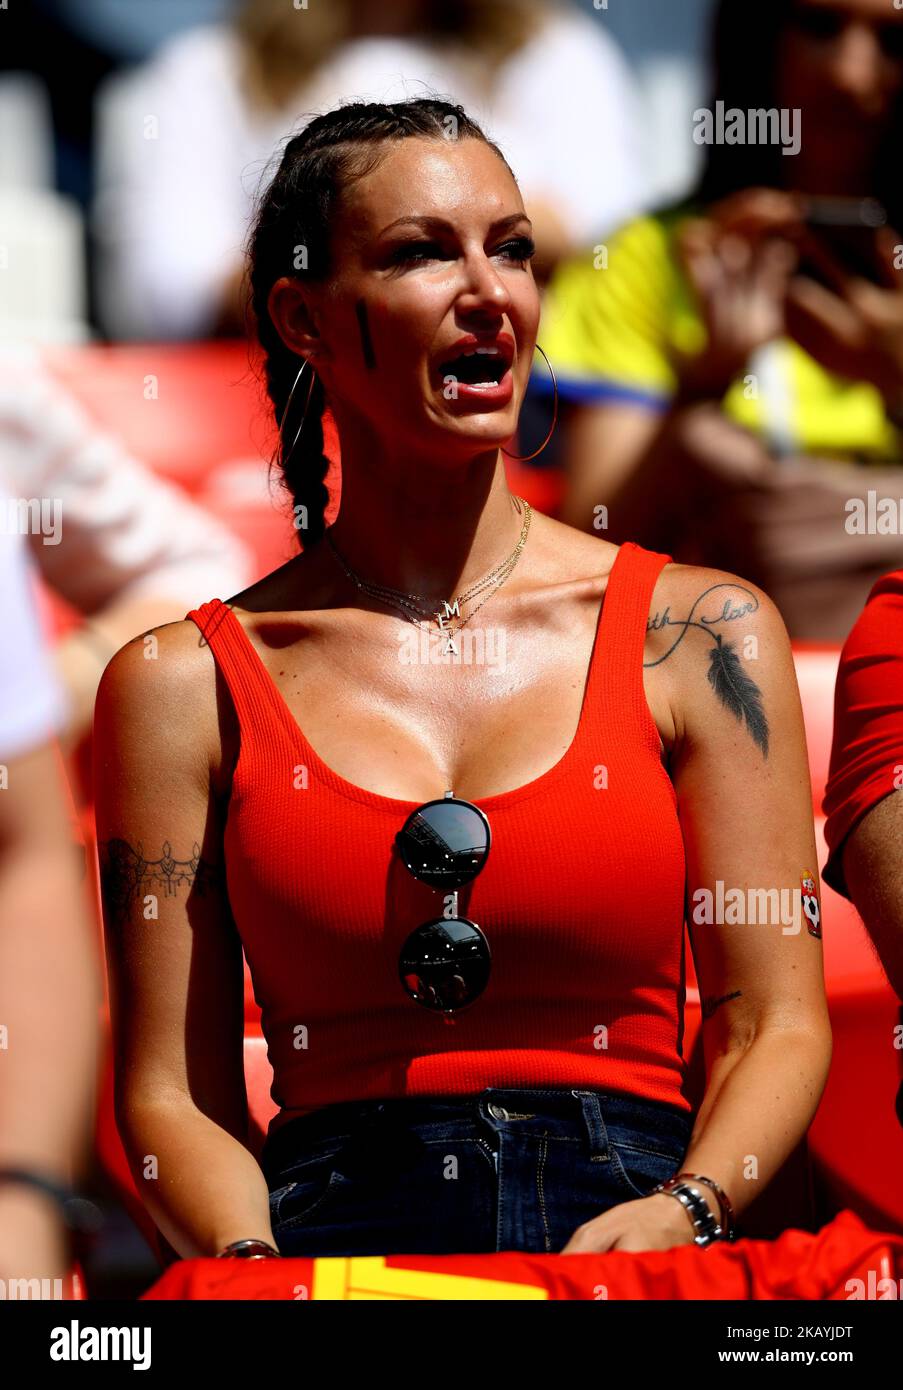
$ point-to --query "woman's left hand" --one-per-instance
(658, 1222)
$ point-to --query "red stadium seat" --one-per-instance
(252, 1008)
(184, 410)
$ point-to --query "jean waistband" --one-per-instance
(494, 1104)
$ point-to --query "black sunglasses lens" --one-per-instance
(444, 843)
(445, 964)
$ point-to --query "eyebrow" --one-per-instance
(440, 224)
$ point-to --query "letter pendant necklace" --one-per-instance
(413, 605)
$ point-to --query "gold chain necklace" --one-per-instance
(412, 605)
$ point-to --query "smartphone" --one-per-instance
(847, 227)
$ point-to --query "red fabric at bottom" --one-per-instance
(845, 1260)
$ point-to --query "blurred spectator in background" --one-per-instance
(184, 142)
(49, 963)
(72, 45)
(734, 371)
(125, 548)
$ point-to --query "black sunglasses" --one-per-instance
(444, 964)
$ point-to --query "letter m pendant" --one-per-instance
(451, 611)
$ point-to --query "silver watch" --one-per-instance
(705, 1223)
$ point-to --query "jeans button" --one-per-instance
(498, 1112)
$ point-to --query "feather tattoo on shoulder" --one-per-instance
(737, 692)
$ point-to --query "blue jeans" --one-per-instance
(502, 1170)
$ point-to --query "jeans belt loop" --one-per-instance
(599, 1148)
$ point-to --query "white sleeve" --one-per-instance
(169, 214)
(379, 69)
(110, 529)
(570, 124)
(34, 706)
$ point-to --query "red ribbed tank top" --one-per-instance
(581, 899)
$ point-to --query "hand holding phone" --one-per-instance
(845, 305)
(843, 238)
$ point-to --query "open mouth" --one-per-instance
(482, 367)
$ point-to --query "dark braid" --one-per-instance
(296, 211)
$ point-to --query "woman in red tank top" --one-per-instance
(451, 777)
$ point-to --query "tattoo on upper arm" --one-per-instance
(127, 876)
(710, 1004)
(733, 687)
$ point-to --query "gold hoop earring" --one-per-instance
(524, 458)
(313, 375)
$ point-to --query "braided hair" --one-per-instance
(290, 236)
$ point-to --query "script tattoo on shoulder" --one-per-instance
(710, 1003)
(127, 875)
(732, 686)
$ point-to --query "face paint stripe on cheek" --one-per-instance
(363, 324)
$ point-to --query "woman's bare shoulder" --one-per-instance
(716, 642)
(164, 689)
(693, 605)
(164, 661)
(160, 693)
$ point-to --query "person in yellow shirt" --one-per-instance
(731, 368)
